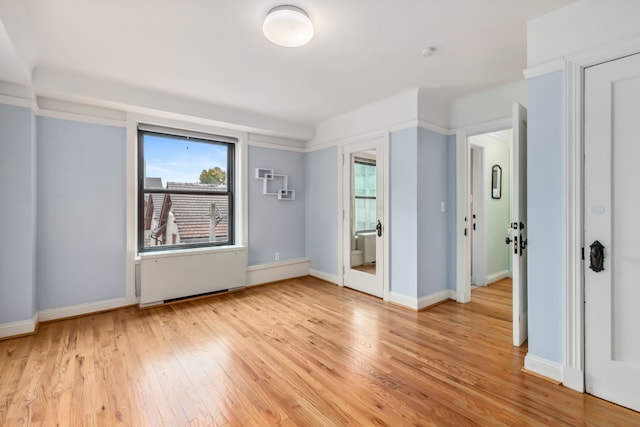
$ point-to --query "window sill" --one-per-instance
(188, 252)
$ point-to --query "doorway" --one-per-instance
(364, 232)
(489, 206)
(499, 183)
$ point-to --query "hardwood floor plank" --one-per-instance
(295, 353)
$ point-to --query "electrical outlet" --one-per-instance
(277, 256)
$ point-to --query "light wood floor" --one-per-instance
(367, 268)
(297, 353)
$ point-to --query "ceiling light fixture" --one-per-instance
(288, 26)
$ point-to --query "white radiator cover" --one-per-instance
(169, 275)
(366, 243)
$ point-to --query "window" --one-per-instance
(185, 189)
(364, 181)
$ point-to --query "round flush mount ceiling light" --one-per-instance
(288, 26)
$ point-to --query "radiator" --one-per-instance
(166, 276)
(367, 244)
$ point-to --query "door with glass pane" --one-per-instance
(363, 221)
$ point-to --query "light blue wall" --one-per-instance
(450, 209)
(432, 222)
(321, 169)
(403, 209)
(546, 262)
(17, 226)
(81, 213)
(74, 251)
(498, 210)
(276, 225)
(421, 163)
(496, 151)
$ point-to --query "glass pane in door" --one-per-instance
(363, 211)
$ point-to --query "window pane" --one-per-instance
(175, 160)
(179, 219)
(365, 214)
(185, 191)
(364, 180)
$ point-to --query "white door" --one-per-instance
(611, 209)
(518, 224)
(476, 234)
(364, 227)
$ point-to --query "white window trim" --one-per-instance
(240, 200)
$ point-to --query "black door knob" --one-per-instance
(508, 240)
(596, 257)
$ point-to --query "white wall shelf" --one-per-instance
(262, 173)
(270, 181)
(284, 194)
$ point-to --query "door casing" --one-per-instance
(464, 219)
(463, 274)
(341, 208)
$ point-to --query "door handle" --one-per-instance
(596, 257)
(523, 244)
(379, 228)
(508, 240)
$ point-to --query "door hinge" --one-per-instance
(582, 250)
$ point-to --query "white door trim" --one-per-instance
(463, 282)
(385, 228)
(573, 370)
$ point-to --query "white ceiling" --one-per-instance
(213, 51)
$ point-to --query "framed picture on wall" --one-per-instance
(496, 182)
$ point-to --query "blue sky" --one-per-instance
(178, 160)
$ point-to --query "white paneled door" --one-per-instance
(612, 233)
(518, 240)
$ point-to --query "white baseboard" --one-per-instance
(324, 276)
(543, 367)
(272, 272)
(497, 276)
(573, 379)
(422, 302)
(435, 298)
(403, 300)
(81, 309)
(19, 328)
